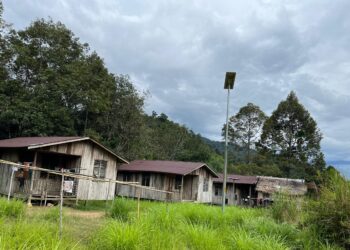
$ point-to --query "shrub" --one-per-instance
(330, 214)
(12, 208)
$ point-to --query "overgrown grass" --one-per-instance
(286, 208)
(195, 226)
(12, 208)
(159, 226)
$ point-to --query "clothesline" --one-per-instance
(82, 176)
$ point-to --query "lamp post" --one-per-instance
(229, 82)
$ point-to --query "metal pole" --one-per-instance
(225, 166)
(11, 181)
(61, 204)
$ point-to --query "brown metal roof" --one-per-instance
(24, 142)
(45, 141)
(169, 167)
(237, 179)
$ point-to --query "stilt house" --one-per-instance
(240, 189)
(189, 181)
(79, 155)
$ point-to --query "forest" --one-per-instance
(51, 83)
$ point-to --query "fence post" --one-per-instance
(109, 184)
(11, 181)
(138, 204)
(61, 204)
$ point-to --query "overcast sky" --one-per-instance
(180, 50)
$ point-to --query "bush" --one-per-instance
(330, 214)
(121, 209)
(12, 208)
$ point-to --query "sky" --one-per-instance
(179, 51)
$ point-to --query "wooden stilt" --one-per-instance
(61, 204)
(182, 187)
(32, 180)
(11, 181)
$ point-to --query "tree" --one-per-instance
(291, 133)
(245, 128)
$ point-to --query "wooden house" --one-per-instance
(80, 155)
(190, 181)
(267, 186)
(240, 189)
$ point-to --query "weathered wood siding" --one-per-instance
(192, 186)
(204, 196)
(157, 181)
(84, 154)
(89, 152)
(230, 195)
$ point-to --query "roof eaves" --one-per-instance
(202, 165)
(110, 151)
(40, 145)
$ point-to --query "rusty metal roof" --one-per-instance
(237, 179)
(24, 142)
(169, 167)
(45, 141)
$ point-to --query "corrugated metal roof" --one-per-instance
(238, 179)
(44, 141)
(169, 167)
(24, 142)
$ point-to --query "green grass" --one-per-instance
(13, 208)
(159, 226)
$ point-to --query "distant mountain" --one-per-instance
(236, 154)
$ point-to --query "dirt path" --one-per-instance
(70, 212)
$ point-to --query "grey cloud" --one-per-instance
(180, 50)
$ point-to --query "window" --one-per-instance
(100, 168)
(127, 177)
(205, 185)
(146, 180)
(178, 181)
(218, 190)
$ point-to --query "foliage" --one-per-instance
(330, 214)
(292, 137)
(12, 208)
(286, 208)
(245, 127)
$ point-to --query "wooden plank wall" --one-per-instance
(230, 196)
(157, 181)
(205, 197)
(91, 190)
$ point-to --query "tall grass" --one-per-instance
(286, 208)
(121, 208)
(329, 216)
(195, 226)
(12, 208)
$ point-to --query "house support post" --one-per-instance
(182, 188)
(32, 180)
(250, 195)
(11, 181)
(61, 203)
